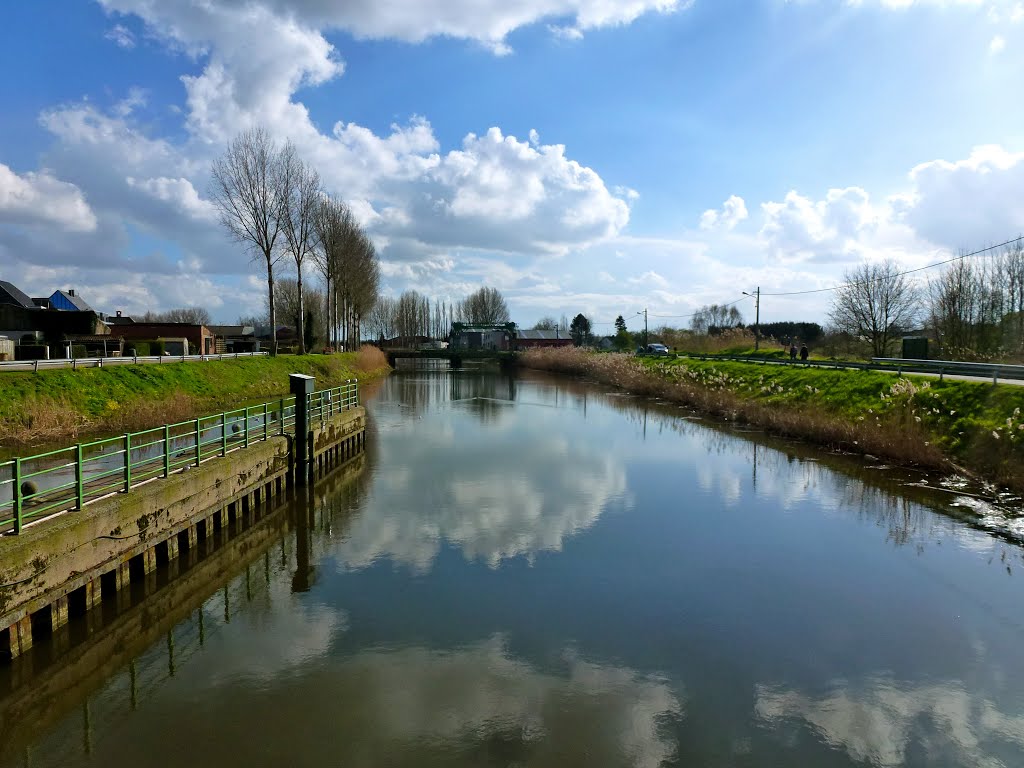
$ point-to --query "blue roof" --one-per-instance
(67, 302)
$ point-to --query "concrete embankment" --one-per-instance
(41, 691)
(67, 565)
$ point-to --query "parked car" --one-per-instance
(654, 349)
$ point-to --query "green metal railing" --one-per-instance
(69, 479)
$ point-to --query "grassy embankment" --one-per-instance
(909, 419)
(63, 404)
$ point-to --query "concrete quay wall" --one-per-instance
(66, 565)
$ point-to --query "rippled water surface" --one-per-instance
(537, 572)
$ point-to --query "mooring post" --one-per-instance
(301, 386)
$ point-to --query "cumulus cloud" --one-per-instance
(947, 205)
(971, 202)
(734, 210)
(485, 21)
(40, 198)
(424, 207)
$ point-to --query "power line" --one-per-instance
(961, 257)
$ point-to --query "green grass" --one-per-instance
(62, 402)
(973, 422)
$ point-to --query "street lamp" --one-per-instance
(757, 316)
(644, 313)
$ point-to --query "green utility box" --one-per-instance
(915, 347)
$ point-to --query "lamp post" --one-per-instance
(644, 313)
(757, 316)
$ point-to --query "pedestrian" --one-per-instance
(803, 352)
(792, 351)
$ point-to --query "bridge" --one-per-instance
(469, 341)
(456, 357)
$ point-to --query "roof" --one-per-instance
(11, 294)
(541, 334)
(119, 320)
(231, 330)
(74, 301)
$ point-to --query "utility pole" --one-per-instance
(757, 316)
(644, 313)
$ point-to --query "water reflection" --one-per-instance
(890, 723)
(495, 499)
(697, 594)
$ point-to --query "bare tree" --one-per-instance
(302, 186)
(546, 323)
(715, 317)
(877, 302)
(486, 306)
(251, 196)
(976, 309)
(193, 315)
(380, 320)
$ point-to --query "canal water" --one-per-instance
(535, 571)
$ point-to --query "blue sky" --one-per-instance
(579, 155)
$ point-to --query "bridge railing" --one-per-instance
(68, 479)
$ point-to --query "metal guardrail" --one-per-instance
(993, 371)
(72, 478)
(100, 362)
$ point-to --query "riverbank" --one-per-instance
(65, 405)
(914, 420)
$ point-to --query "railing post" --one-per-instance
(199, 446)
(247, 426)
(17, 495)
(266, 415)
(223, 433)
(995, 376)
(79, 477)
(127, 462)
(167, 450)
(280, 416)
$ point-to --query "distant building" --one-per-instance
(179, 338)
(536, 338)
(30, 321)
(229, 339)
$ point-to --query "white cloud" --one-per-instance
(485, 21)
(493, 194)
(997, 45)
(734, 210)
(40, 198)
(179, 193)
(121, 36)
(967, 203)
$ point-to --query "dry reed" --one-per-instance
(894, 440)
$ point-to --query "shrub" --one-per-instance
(156, 347)
(369, 358)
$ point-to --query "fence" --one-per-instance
(100, 362)
(72, 478)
